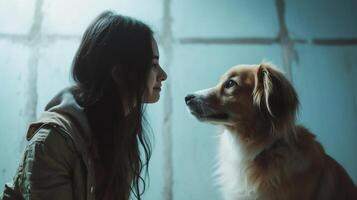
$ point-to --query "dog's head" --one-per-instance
(247, 96)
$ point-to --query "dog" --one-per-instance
(263, 154)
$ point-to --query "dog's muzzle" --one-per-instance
(201, 109)
(194, 104)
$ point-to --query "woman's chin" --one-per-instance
(153, 99)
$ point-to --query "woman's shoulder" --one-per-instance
(53, 140)
(47, 162)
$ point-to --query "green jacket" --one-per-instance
(56, 163)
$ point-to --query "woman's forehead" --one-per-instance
(155, 49)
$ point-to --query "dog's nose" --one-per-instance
(189, 97)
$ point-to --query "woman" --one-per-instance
(86, 143)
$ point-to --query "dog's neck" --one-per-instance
(252, 144)
(274, 145)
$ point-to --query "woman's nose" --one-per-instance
(163, 75)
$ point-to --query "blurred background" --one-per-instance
(313, 41)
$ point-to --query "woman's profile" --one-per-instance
(90, 142)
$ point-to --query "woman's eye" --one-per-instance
(230, 83)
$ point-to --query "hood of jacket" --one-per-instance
(65, 114)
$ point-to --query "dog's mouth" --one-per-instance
(216, 118)
(204, 113)
(219, 116)
(202, 108)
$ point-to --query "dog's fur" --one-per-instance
(263, 154)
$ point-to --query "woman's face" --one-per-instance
(156, 76)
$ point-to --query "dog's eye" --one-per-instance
(230, 83)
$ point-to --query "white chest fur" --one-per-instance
(232, 169)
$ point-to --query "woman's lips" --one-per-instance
(157, 88)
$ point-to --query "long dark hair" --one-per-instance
(111, 70)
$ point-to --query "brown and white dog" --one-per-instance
(263, 154)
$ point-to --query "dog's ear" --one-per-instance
(274, 95)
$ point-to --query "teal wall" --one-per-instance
(313, 41)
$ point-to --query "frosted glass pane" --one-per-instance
(63, 17)
(16, 16)
(321, 18)
(229, 18)
(54, 70)
(13, 78)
